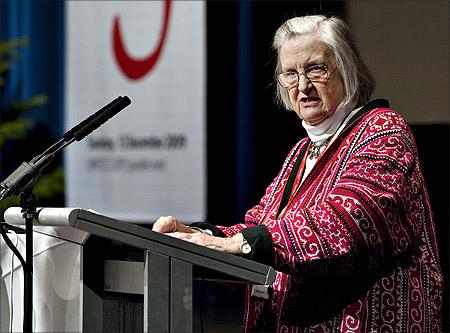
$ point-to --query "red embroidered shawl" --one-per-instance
(356, 249)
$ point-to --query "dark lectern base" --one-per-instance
(217, 305)
(217, 308)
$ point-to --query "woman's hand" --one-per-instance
(166, 224)
(171, 226)
(222, 244)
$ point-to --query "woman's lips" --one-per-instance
(309, 101)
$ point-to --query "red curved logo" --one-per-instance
(132, 67)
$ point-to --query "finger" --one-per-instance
(188, 237)
(180, 235)
(166, 224)
(163, 224)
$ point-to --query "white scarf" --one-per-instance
(330, 125)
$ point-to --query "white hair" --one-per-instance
(335, 34)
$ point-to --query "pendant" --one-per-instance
(314, 150)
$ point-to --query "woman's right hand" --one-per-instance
(172, 226)
(166, 224)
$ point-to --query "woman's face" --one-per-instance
(312, 101)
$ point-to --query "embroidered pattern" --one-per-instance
(356, 248)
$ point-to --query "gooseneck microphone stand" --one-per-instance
(22, 181)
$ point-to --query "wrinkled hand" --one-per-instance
(167, 224)
(171, 226)
(222, 244)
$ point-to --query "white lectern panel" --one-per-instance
(57, 284)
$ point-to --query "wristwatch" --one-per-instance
(245, 247)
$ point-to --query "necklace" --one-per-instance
(314, 149)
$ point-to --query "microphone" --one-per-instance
(69, 134)
(26, 175)
(103, 116)
(23, 177)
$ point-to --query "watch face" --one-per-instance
(246, 248)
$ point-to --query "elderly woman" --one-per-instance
(347, 222)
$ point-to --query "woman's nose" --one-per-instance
(304, 84)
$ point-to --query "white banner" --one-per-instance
(149, 160)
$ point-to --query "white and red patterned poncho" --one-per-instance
(355, 250)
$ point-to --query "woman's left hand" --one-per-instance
(227, 245)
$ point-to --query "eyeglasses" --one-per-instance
(313, 74)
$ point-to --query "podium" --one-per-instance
(168, 267)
